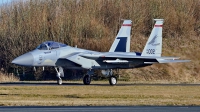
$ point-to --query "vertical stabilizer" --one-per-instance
(122, 41)
(153, 46)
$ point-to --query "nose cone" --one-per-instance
(25, 60)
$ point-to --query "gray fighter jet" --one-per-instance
(61, 56)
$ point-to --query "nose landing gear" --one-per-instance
(60, 74)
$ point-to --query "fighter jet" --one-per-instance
(62, 56)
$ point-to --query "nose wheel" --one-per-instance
(59, 81)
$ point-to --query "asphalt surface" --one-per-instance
(32, 83)
(101, 109)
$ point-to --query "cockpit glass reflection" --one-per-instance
(43, 47)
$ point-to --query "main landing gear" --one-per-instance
(109, 73)
(86, 80)
(87, 77)
(60, 74)
(112, 80)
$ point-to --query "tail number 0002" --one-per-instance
(150, 51)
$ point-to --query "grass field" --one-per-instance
(100, 93)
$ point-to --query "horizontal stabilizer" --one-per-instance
(171, 61)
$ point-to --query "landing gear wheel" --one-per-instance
(59, 81)
(86, 80)
(113, 80)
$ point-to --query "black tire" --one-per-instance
(59, 81)
(113, 80)
(86, 80)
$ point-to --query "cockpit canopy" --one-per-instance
(48, 45)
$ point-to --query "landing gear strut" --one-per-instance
(60, 74)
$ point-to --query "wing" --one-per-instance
(130, 57)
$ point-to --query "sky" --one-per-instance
(4, 1)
